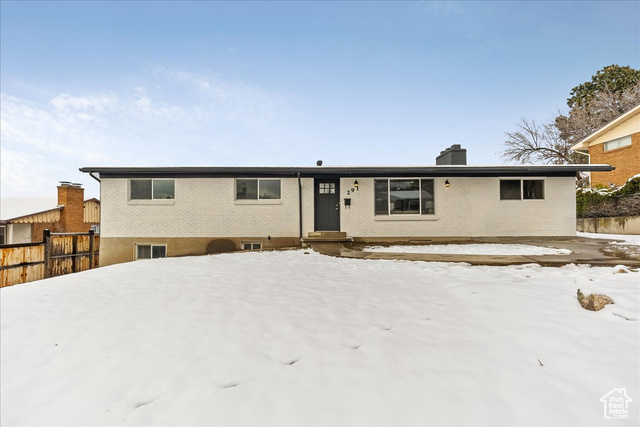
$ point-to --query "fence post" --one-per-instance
(91, 244)
(46, 239)
(74, 250)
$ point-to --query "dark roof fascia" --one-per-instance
(344, 171)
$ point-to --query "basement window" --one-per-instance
(152, 189)
(617, 143)
(251, 246)
(521, 189)
(151, 251)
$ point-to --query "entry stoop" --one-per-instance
(337, 237)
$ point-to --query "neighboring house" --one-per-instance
(617, 144)
(157, 211)
(23, 220)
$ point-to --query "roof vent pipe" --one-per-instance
(319, 163)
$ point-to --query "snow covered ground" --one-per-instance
(290, 338)
(632, 239)
(470, 249)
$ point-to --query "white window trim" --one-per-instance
(522, 199)
(626, 139)
(406, 217)
(258, 200)
(151, 201)
(250, 242)
(135, 249)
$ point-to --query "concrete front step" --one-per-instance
(328, 234)
(329, 237)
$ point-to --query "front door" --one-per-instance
(327, 204)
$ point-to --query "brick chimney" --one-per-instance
(71, 196)
(455, 155)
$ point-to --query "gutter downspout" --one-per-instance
(300, 205)
(94, 177)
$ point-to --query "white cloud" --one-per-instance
(176, 119)
(98, 103)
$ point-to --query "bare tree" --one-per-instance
(538, 143)
(605, 106)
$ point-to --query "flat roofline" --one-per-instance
(346, 171)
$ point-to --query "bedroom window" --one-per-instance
(257, 189)
(617, 143)
(152, 189)
(521, 189)
(151, 251)
(404, 196)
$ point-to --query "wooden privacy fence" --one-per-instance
(57, 254)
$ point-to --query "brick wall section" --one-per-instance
(470, 207)
(626, 160)
(72, 216)
(205, 207)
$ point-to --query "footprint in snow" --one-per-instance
(291, 362)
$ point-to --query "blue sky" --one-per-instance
(286, 83)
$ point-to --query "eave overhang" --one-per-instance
(583, 145)
(344, 171)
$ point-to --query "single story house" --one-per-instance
(23, 220)
(172, 211)
(617, 144)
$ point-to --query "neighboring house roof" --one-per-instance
(28, 210)
(584, 144)
(345, 171)
(18, 207)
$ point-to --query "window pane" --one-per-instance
(246, 246)
(246, 189)
(140, 189)
(270, 189)
(159, 251)
(163, 189)
(257, 246)
(510, 189)
(2, 235)
(427, 196)
(533, 189)
(144, 251)
(404, 196)
(381, 196)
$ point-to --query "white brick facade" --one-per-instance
(206, 207)
(203, 207)
(469, 207)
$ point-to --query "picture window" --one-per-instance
(404, 196)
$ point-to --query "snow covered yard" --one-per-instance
(305, 339)
(470, 249)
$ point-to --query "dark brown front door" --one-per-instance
(327, 200)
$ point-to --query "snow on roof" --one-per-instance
(20, 206)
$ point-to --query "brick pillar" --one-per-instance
(72, 216)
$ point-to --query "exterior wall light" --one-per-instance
(447, 184)
(355, 184)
